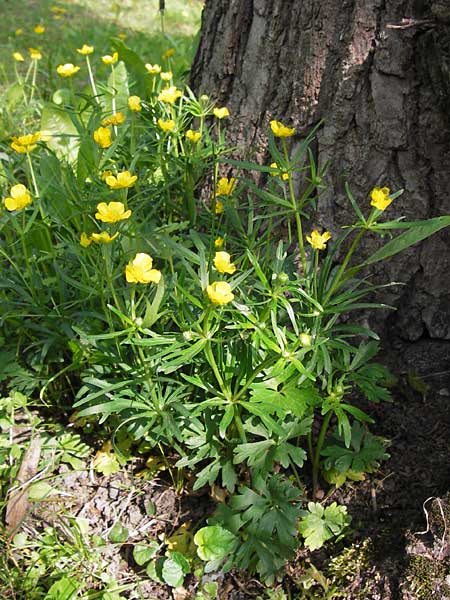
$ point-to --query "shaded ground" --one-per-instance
(381, 559)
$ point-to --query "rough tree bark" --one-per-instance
(378, 73)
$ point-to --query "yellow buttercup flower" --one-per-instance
(122, 180)
(18, 57)
(35, 54)
(193, 136)
(280, 130)
(19, 31)
(153, 69)
(318, 241)
(277, 173)
(380, 198)
(219, 242)
(166, 75)
(220, 292)
(221, 113)
(112, 212)
(140, 270)
(20, 198)
(105, 174)
(134, 103)
(25, 143)
(225, 186)
(116, 119)
(85, 240)
(122, 36)
(219, 208)
(222, 262)
(85, 50)
(168, 125)
(67, 70)
(103, 237)
(39, 29)
(110, 60)
(168, 53)
(170, 95)
(102, 137)
(58, 9)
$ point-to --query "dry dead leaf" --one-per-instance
(18, 504)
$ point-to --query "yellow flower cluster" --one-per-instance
(225, 186)
(168, 125)
(35, 54)
(116, 119)
(134, 103)
(277, 173)
(193, 136)
(170, 95)
(102, 137)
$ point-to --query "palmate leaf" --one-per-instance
(320, 524)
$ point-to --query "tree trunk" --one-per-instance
(377, 72)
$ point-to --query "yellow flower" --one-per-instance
(218, 242)
(168, 53)
(193, 136)
(105, 174)
(19, 31)
(219, 207)
(102, 137)
(67, 70)
(116, 119)
(380, 198)
(25, 143)
(225, 186)
(18, 57)
(280, 130)
(58, 9)
(85, 50)
(220, 292)
(318, 241)
(139, 270)
(277, 173)
(19, 199)
(35, 54)
(103, 237)
(170, 95)
(85, 240)
(123, 180)
(153, 69)
(223, 264)
(166, 125)
(112, 212)
(39, 29)
(221, 113)
(110, 60)
(166, 75)
(122, 36)
(134, 103)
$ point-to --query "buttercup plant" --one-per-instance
(191, 330)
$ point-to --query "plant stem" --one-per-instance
(316, 460)
(91, 79)
(344, 266)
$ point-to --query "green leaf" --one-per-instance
(319, 525)
(64, 140)
(214, 542)
(63, 589)
(175, 567)
(41, 490)
(118, 533)
(143, 553)
(418, 232)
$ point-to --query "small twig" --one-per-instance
(407, 23)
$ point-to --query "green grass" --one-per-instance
(94, 22)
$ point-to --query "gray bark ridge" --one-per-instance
(377, 72)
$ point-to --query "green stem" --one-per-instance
(343, 266)
(91, 79)
(298, 220)
(33, 81)
(316, 453)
